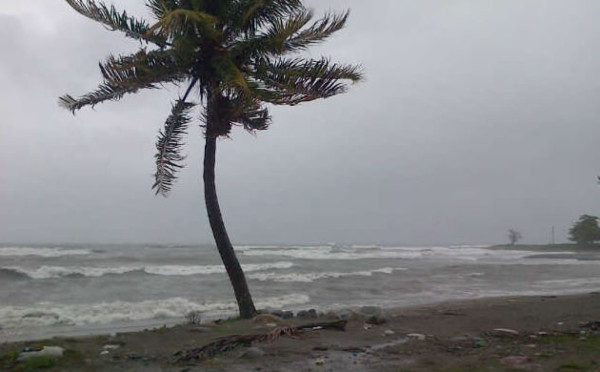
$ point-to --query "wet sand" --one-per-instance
(458, 336)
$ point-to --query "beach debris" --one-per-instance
(133, 356)
(308, 314)
(266, 319)
(104, 352)
(229, 343)
(320, 361)
(592, 325)
(388, 332)
(46, 351)
(28, 349)
(479, 344)
(505, 332)
(354, 350)
(111, 347)
(320, 348)
(513, 361)
(253, 353)
(376, 320)
(287, 315)
(451, 312)
(418, 336)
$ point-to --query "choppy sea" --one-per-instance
(81, 289)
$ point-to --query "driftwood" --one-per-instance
(229, 343)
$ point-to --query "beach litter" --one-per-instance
(46, 351)
(230, 343)
(592, 325)
(505, 332)
(416, 336)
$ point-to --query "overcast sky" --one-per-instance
(475, 117)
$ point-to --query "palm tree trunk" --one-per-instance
(232, 265)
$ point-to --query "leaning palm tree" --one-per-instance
(238, 56)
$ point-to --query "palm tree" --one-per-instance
(239, 56)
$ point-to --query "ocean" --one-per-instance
(84, 289)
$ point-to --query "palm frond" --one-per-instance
(230, 76)
(168, 147)
(117, 21)
(128, 74)
(274, 39)
(105, 92)
(251, 15)
(160, 7)
(144, 66)
(254, 118)
(293, 81)
(180, 21)
(318, 32)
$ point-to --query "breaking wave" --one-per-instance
(48, 314)
(310, 277)
(50, 272)
(42, 252)
(470, 253)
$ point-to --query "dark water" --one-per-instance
(48, 290)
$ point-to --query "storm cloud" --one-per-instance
(475, 117)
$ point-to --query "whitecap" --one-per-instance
(50, 272)
(42, 252)
(48, 314)
(310, 277)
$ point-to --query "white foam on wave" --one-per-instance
(310, 277)
(50, 272)
(49, 314)
(569, 283)
(42, 252)
(467, 253)
(329, 253)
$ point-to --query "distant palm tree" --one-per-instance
(238, 55)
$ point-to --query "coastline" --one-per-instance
(454, 333)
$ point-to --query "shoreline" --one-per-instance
(458, 325)
(125, 327)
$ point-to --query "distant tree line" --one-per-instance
(585, 231)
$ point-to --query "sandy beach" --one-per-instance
(537, 333)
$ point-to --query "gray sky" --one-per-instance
(475, 117)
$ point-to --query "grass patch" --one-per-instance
(38, 363)
(8, 360)
(591, 343)
(572, 367)
(558, 340)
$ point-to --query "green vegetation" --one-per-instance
(237, 56)
(585, 231)
(38, 363)
(8, 360)
(547, 247)
(71, 358)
